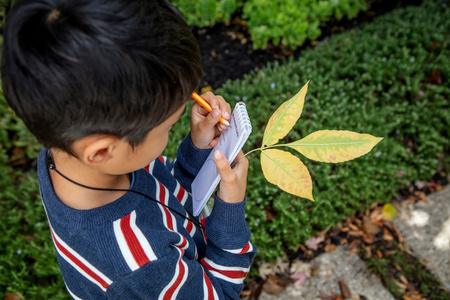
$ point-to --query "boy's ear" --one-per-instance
(96, 149)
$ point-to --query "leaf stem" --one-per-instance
(254, 150)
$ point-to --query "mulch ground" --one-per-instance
(227, 51)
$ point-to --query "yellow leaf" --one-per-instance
(284, 118)
(334, 145)
(287, 172)
(389, 212)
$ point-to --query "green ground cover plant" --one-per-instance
(288, 23)
(389, 78)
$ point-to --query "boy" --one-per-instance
(100, 83)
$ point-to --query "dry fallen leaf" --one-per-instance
(369, 226)
(275, 285)
(368, 238)
(330, 248)
(313, 242)
(345, 291)
(401, 285)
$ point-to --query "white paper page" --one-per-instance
(230, 143)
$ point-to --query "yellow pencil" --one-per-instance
(206, 105)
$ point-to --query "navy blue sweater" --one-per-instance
(135, 248)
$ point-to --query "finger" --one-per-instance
(214, 142)
(223, 166)
(197, 108)
(224, 107)
(240, 163)
(212, 99)
(216, 101)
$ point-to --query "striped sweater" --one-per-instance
(135, 248)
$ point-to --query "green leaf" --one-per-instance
(334, 146)
(287, 172)
(284, 118)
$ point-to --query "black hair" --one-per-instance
(73, 68)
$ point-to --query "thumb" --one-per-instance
(222, 164)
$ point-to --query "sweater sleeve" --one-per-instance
(220, 274)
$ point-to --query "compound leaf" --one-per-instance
(287, 172)
(334, 146)
(284, 118)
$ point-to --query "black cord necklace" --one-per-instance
(51, 166)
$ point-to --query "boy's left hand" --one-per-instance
(205, 126)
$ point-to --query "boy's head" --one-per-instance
(75, 68)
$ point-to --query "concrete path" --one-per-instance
(425, 229)
(339, 265)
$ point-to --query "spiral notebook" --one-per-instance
(230, 143)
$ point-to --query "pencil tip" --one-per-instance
(226, 122)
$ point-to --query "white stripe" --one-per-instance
(185, 197)
(166, 195)
(236, 251)
(216, 296)
(185, 194)
(205, 288)
(166, 201)
(177, 190)
(151, 166)
(194, 228)
(226, 268)
(84, 261)
(175, 277)
(228, 279)
(123, 245)
(141, 238)
(172, 171)
(72, 294)
(182, 239)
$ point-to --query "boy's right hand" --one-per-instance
(205, 126)
(233, 180)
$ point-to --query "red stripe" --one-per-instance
(147, 168)
(161, 159)
(189, 226)
(80, 264)
(209, 286)
(162, 197)
(180, 194)
(133, 243)
(177, 282)
(245, 249)
(168, 218)
(183, 242)
(228, 273)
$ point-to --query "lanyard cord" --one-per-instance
(51, 166)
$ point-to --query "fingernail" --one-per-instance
(217, 154)
(226, 115)
(215, 113)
